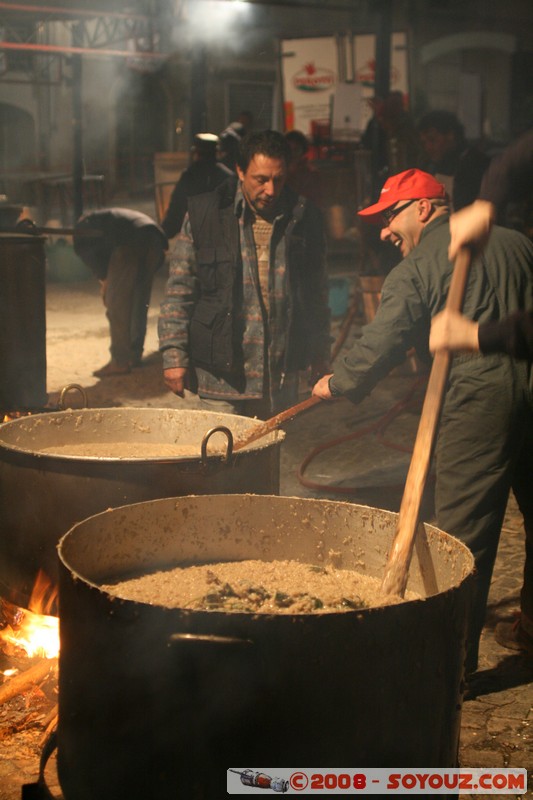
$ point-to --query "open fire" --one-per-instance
(36, 630)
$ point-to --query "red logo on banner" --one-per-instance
(314, 79)
(367, 74)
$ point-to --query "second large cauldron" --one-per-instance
(160, 702)
(43, 493)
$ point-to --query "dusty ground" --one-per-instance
(497, 718)
(78, 343)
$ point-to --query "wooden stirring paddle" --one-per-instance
(396, 573)
(273, 423)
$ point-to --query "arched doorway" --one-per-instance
(471, 74)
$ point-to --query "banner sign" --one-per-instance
(313, 92)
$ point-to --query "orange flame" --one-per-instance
(11, 415)
(36, 630)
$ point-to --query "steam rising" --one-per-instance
(214, 22)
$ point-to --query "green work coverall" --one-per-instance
(485, 440)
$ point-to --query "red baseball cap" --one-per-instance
(409, 185)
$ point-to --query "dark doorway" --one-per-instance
(17, 139)
(141, 119)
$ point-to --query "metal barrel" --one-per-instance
(22, 322)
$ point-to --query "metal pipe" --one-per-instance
(198, 89)
(383, 49)
(68, 12)
(52, 48)
(295, 4)
(77, 134)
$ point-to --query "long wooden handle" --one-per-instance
(274, 422)
(395, 579)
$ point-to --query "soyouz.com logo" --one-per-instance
(497, 781)
(314, 79)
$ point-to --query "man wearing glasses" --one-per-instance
(485, 441)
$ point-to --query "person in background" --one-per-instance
(302, 177)
(124, 249)
(509, 177)
(449, 158)
(391, 137)
(393, 141)
(245, 306)
(230, 139)
(203, 175)
(485, 439)
(246, 119)
(512, 335)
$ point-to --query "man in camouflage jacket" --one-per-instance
(245, 306)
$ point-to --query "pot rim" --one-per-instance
(275, 437)
(216, 615)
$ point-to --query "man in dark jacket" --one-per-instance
(124, 249)
(485, 441)
(509, 177)
(245, 306)
(512, 335)
(203, 175)
(449, 157)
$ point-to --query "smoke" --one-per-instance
(228, 24)
(103, 85)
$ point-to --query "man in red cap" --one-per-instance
(485, 441)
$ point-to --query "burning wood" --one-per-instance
(34, 675)
(30, 637)
(28, 715)
(36, 630)
(49, 723)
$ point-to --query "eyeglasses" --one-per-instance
(389, 213)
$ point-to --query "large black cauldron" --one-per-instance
(158, 702)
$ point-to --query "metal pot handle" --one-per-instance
(205, 440)
(69, 388)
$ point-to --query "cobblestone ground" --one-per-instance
(497, 720)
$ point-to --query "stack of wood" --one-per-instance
(28, 714)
